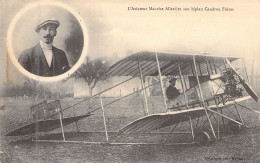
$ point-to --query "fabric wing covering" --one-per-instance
(129, 66)
(45, 125)
(156, 121)
(169, 65)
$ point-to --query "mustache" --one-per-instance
(48, 36)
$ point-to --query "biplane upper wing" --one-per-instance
(156, 121)
(168, 62)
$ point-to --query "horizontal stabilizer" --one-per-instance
(45, 125)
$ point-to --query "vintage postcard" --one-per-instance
(129, 81)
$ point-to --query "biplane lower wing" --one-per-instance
(45, 125)
(161, 120)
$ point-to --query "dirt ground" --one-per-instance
(243, 147)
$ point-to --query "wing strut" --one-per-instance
(225, 116)
(104, 118)
(61, 124)
(246, 72)
(161, 83)
(143, 88)
(248, 108)
(196, 72)
(183, 86)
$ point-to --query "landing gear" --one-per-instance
(233, 128)
(202, 138)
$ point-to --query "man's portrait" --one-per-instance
(48, 41)
(44, 59)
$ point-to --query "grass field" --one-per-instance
(244, 147)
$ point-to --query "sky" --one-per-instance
(113, 29)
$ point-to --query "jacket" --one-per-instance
(34, 61)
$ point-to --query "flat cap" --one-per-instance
(50, 21)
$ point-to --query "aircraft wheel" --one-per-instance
(233, 128)
(202, 138)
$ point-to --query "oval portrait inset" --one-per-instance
(47, 41)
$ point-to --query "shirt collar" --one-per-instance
(45, 46)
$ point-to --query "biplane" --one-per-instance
(208, 86)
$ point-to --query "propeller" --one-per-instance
(247, 87)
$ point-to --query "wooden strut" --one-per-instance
(202, 98)
(239, 116)
(205, 122)
(248, 108)
(224, 116)
(160, 76)
(104, 118)
(224, 61)
(200, 69)
(252, 71)
(214, 66)
(192, 131)
(218, 129)
(217, 102)
(75, 115)
(235, 116)
(221, 111)
(61, 125)
(152, 132)
(219, 86)
(108, 143)
(143, 88)
(246, 73)
(123, 97)
(92, 96)
(209, 69)
(183, 86)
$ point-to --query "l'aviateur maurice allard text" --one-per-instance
(154, 8)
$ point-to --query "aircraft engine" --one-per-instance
(232, 83)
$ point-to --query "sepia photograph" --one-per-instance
(53, 40)
(129, 81)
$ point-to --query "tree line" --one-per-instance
(92, 71)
